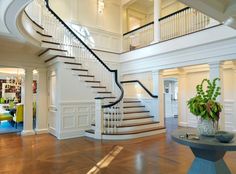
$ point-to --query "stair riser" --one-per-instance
(98, 89)
(132, 104)
(132, 136)
(77, 73)
(143, 120)
(86, 78)
(49, 54)
(92, 84)
(49, 39)
(136, 114)
(134, 109)
(49, 45)
(59, 59)
(70, 66)
(103, 95)
(134, 128)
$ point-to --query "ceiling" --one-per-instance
(143, 5)
(221, 10)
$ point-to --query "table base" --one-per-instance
(209, 162)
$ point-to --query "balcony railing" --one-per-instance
(180, 23)
(139, 37)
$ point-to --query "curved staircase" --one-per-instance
(117, 118)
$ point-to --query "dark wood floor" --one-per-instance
(44, 154)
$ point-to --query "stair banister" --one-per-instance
(137, 81)
(110, 70)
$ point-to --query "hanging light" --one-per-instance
(101, 6)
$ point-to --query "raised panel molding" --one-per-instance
(229, 114)
(76, 117)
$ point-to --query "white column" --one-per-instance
(23, 90)
(216, 72)
(28, 103)
(161, 99)
(99, 119)
(234, 93)
(41, 103)
(155, 91)
(157, 15)
(182, 99)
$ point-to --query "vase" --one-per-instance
(207, 127)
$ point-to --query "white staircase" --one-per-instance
(137, 122)
(121, 119)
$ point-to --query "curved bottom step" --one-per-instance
(128, 135)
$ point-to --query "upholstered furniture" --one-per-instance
(5, 116)
(19, 114)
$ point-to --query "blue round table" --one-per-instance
(208, 151)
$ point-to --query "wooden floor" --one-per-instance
(44, 154)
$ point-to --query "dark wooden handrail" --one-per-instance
(136, 29)
(167, 16)
(137, 81)
(99, 60)
(172, 14)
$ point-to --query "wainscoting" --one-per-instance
(229, 114)
(76, 117)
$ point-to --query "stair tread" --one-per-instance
(45, 35)
(132, 101)
(91, 131)
(98, 87)
(142, 106)
(136, 131)
(54, 57)
(137, 124)
(134, 118)
(72, 63)
(54, 49)
(50, 42)
(78, 69)
(135, 112)
(92, 81)
(81, 75)
(104, 97)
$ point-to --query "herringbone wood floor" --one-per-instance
(44, 154)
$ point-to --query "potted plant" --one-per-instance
(205, 106)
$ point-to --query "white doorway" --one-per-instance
(171, 102)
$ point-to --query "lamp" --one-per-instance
(101, 6)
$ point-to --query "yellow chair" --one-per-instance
(19, 114)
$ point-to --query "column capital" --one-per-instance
(29, 69)
(215, 64)
(155, 72)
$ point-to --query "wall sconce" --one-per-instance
(101, 6)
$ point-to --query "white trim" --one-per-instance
(71, 134)
(41, 131)
(27, 132)
(11, 16)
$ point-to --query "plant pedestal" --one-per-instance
(208, 161)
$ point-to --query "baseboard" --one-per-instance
(183, 124)
(41, 131)
(27, 132)
(71, 134)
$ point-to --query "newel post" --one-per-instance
(99, 118)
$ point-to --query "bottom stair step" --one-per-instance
(135, 132)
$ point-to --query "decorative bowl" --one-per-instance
(224, 137)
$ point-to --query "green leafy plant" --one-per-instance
(204, 104)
